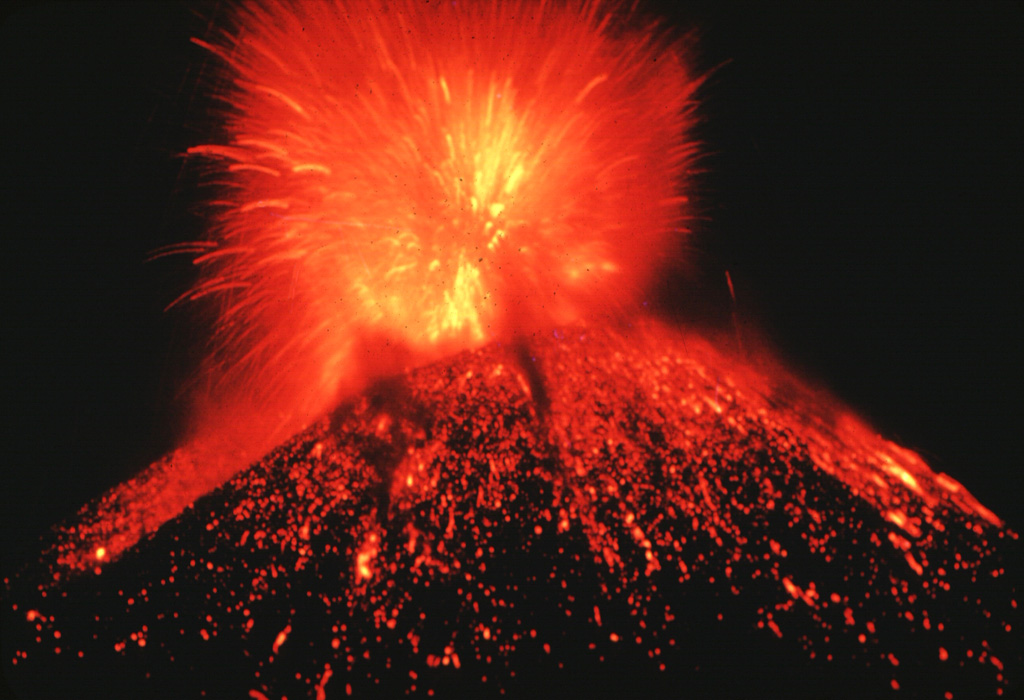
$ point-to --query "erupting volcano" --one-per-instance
(436, 442)
(399, 181)
(396, 182)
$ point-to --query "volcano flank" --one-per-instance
(674, 522)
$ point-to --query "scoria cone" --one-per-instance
(679, 522)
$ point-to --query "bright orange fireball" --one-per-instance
(400, 180)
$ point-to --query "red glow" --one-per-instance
(365, 556)
(281, 638)
(401, 183)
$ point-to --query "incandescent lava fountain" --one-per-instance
(435, 445)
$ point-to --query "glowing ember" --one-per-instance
(281, 638)
(365, 557)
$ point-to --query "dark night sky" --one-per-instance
(863, 178)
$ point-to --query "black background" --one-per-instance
(862, 182)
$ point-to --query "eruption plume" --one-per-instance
(398, 181)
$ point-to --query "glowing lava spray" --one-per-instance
(400, 180)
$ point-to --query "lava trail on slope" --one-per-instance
(676, 522)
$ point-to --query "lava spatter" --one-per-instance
(675, 513)
(596, 510)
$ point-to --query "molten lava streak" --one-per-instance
(494, 184)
